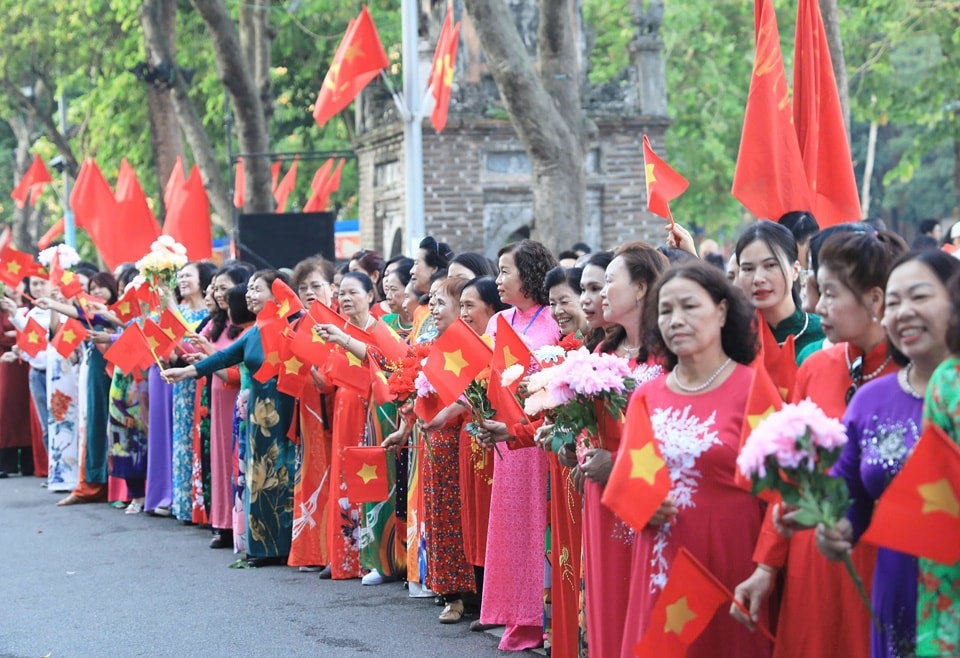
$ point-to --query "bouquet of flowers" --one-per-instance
(571, 393)
(791, 452)
(402, 382)
(161, 264)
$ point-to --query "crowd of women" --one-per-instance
(485, 516)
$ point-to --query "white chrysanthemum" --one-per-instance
(68, 256)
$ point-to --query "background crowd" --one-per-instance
(489, 515)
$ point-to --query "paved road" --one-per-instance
(88, 580)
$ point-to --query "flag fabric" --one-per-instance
(443, 69)
(379, 387)
(69, 337)
(664, 184)
(30, 187)
(69, 283)
(769, 179)
(272, 341)
(919, 512)
(176, 180)
(127, 307)
(293, 371)
(321, 194)
(16, 266)
(386, 341)
(307, 344)
(779, 360)
(130, 351)
(173, 325)
(239, 185)
(275, 175)
(509, 348)
(506, 408)
(52, 234)
(344, 369)
(365, 474)
(763, 399)
(33, 339)
(148, 296)
(820, 128)
(455, 359)
(323, 314)
(688, 602)
(188, 218)
(640, 479)
(288, 302)
(161, 343)
(427, 407)
(358, 60)
(97, 212)
(136, 227)
(282, 194)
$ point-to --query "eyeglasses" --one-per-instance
(856, 378)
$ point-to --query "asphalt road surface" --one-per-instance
(87, 580)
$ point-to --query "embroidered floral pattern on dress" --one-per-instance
(887, 445)
(683, 438)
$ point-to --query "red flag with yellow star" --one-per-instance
(379, 386)
(69, 337)
(509, 348)
(307, 344)
(640, 479)
(343, 368)
(365, 474)
(457, 357)
(443, 69)
(779, 360)
(358, 60)
(173, 325)
(664, 184)
(506, 408)
(160, 341)
(31, 185)
(763, 399)
(386, 341)
(919, 513)
(68, 282)
(15, 266)
(272, 341)
(293, 371)
(127, 307)
(131, 351)
(685, 607)
(33, 339)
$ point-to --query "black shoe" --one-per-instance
(274, 561)
(222, 539)
(326, 574)
(4, 475)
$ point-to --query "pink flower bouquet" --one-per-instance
(791, 452)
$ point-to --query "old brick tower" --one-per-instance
(477, 174)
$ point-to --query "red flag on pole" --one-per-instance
(69, 337)
(33, 339)
(286, 186)
(358, 60)
(769, 179)
(919, 512)
(640, 480)
(136, 225)
(31, 185)
(159, 340)
(188, 218)
(127, 307)
(15, 266)
(365, 474)
(818, 118)
(69, 283)
(456, 358)
(509, 348)
(443, 69)
(95, 209)
(131, 351)
(664, 184)
(239, 185)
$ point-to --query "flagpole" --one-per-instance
(69, 225)
(412, 129)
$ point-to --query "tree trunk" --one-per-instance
(831, 24)
(47, 123)
(165, 135)
(155, 40)
(25, 220)
(546, 112)
(245, 97)
(256, 39)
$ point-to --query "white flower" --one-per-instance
(68, 256)
(549, 354)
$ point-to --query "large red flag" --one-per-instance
(919, 512)
(15, 266)
(640, 480)
(127, 307)
(442, 70)
(664, 184)
(239, 185)
(509, 348)
(769, 179)
(358, 60)
(95, 208)
(321, 194)
(33, 338)
(365, 474)
(457, 357)
(685, 607)
(176, 180)
(31, 185)
(188, 218)
(136, 225)
(818, 118)
(69, 337)
(282, 194)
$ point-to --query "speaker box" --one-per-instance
(271, 241)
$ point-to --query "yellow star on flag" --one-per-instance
(447, 71)
(679, 615)
(284, 309)
(754, 419)
(125, 307)
(508, 358)
(315, 337)
(69, 335)
(454, 362)
(154, 343)
(32, 337)
(272, 358)
(382, 377)
(651, 177)
(292, 365)
(169, 332)
(939, 496)
(352, 52)
(367, 473)
(353, 360)
(67, 277)
(13, 268)
(645, 464)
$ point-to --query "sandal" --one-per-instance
(134, 508)
(453, 613)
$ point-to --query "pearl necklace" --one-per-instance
(704, 385)
(872, 375)
(904, 377)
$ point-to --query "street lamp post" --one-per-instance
(412, 128)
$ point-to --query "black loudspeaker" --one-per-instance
(270, 241)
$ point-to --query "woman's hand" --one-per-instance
(567, 457)
(7, 305)
(680, 238)
(99, 337)
(491, 432)
(784, 520)
(446, 416)
(8, 357)
(332, 334)
(543, 435)
(837, 542)
(174, 375)
(664, 513)
(192, 357)
(201, 343)
(597, 465)
(578, 478)
(751, 594)
(400, 437)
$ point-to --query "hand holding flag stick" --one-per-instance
(664, 184)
